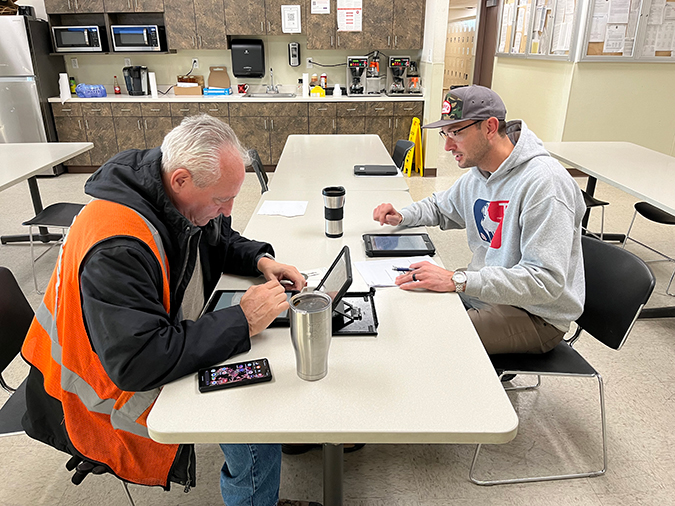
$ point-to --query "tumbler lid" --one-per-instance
(310, 302)
(333, 191)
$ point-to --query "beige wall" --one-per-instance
(566, 101)
(536, 92)
(632, 102)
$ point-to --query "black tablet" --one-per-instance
(338, 279)
(226, 298)
(398, 245)
(375, 170)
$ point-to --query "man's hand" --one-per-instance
(278, 271)
(385, 213)
(261, 304)
(427, 276)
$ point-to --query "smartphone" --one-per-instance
(234, 375)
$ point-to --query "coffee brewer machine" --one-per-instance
(396, 74)
(356, 66)
(375, 81)
(413, 81)
(136, 79)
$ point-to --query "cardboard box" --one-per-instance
(194, 90)
(218, 77)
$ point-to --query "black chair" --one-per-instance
(653, 213)
(592, 202)
(60, 215)
(16, 316)
(401, 151)
(618, 284)
(259, 170)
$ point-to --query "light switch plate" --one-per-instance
(73, 62)
(127, 62)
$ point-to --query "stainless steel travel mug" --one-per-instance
(311, 332)
(333, 202)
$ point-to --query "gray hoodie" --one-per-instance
(523, 225)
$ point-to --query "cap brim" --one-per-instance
(442, 123)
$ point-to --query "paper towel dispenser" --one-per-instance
(248, 58)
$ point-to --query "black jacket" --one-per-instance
(140, 346)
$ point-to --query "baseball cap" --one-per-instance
(469, 102)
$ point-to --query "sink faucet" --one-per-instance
(271, 88)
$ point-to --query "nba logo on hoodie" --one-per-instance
(489, 217)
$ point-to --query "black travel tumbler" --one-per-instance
(333, 201)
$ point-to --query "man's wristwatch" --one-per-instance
(459, 279)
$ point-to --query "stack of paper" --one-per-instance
(381, 273)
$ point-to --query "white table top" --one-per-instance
(424, 379)
(317, 161)
(642, 172)
(19, 162)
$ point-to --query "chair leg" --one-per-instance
(668, 292)
(602, 223)
(590, 474)
(5, 386)
(127, 493)
(32, 257)
(629, 229)
(525, 387)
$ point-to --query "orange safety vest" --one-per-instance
(105, 424)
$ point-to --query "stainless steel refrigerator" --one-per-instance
(28, 77)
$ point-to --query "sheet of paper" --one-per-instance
(628, 45)
(649, 44)
(516, 42)
(669, 11)
(506, 22)
(601, 7)
(598, 28)
(618, 11)
(380, 273)
(288, 208)
(558, 37)
(349, 14)
(569, 8)
(614, 38)
(656, 12)
(633, 18)
(664, 36)
(320, 7)
(290, 19)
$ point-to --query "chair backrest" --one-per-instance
(401, 150)
(259, 169)
(618, 284)
(15, 318)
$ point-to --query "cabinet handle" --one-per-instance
(395, 40)
(262, 26)
(396, 123)
(272, 124)
(145, 121)
(139, 124)
(333, 125)
(352, 109)
(128, 4)
(407, 108)
(338, 41)
(388, 40)
(265, 123)
(331, 41)
(269, 27)
(66, 110)
(69, 7)
(319, 109)
(154, 110)
(86, 124)
(125, 110)
(194, 40)
(76, 5)
(136, 4)
(379, 108)
(213, 110)
(390, 123)
(96, 110)
(199, 37)
(79, 123)
(184, 110)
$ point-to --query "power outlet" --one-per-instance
(127, 62)
(73, 62)
(195, 63)
(309, 63)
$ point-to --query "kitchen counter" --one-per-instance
(170, 97)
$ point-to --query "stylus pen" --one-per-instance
(402, 269)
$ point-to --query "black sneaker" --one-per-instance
(289, 502)
(298, 449)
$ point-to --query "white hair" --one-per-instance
(196, 146)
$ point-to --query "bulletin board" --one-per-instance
(554, 30)
(459, 53)
(506, 25)
(640, 30)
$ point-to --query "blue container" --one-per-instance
(90, 90)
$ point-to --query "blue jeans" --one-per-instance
(250, 475)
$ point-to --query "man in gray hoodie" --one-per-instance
(522, 213)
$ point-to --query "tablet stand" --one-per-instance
(355, 315)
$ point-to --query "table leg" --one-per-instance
(657, 312)
(44, 235)
(333, 466)
(590, 189)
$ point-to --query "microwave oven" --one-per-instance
(135, 38)
(76, 38)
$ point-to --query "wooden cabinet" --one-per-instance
(322, 118)
(94, 123)
(404, 112)
(195, 24)
(408, 24)
(245, 18)
(128, 125)
(73, 6)
(219, 110)
(133, 5)
(379, 121)
(155, 129)
(321, 29)
(71, 129)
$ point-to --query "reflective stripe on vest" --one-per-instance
(103, 422)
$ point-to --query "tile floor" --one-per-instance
(559, 424)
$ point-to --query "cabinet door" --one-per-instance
(281, 128)
(210, 21)
(71, 129)
(182, 109)
(245, 18)
(378, 16)
(69, 109)
(321, 28)
(408, 24)
(155, 109)
(119, 5)
(273, 15)
(351, 125)
(88, 5)
(253, 133)
(129, 132)
(382, 126)
(402, 128)
(149, 5)
(217, 109)
(349, 40)
(322, 125)
(179, 21)
(101, 131)
(409, 109)
(155, 129)
(59, 7)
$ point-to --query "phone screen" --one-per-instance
(398, 242)
(232, 375)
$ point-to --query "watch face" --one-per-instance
(459, 277)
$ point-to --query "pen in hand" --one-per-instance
(402, 269)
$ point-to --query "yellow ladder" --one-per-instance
(416, 152)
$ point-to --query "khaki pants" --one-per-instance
(508, 329)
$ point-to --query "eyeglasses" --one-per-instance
(453, 133)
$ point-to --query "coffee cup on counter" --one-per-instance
(242, 88)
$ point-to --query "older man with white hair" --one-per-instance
(120, 317)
